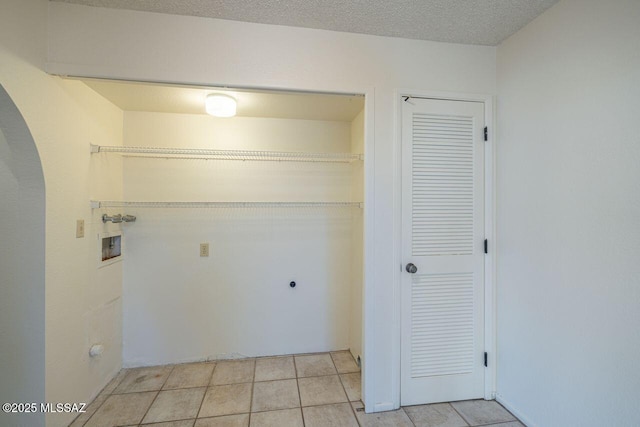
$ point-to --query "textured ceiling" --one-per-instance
(483, 22)
(132, 96)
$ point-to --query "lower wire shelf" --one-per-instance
(122, 204)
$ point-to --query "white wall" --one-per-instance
(236, 302)
(21, 285)
(111, 43)
(568, 209)
(82, 305)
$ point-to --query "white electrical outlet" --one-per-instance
(204, 249)
(79, 228)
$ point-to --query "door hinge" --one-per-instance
(485, 359)
(486, 246)
(486, 133)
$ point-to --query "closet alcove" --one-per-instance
(276, 193)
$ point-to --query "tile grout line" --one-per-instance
(307, 406)
(157, 394)
(162, 422)
(206, 390)
(295, 368)
(94, 412)
(408, 416)
(314, 376)
(516, 418)
(253, 384)
(410, 419)
(108, 395)
(498, 423)
(459, 413)
(147, 411)
(485, 424)
(344, 389)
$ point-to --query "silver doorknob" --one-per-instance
(411, 268)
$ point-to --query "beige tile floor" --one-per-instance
(307, 390)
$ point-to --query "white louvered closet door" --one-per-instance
(443, 236)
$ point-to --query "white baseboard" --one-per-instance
(384, 406)
(522, 417)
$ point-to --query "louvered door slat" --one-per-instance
(441, 172)
(454, 315)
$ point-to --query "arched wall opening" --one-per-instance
(22, 266)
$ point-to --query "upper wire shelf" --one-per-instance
(135, 204)
(202, 153)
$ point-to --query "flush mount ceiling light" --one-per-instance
(219, 105)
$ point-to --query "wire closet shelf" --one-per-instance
(137, 204)
(209, 154)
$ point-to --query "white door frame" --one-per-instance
(490, 232)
